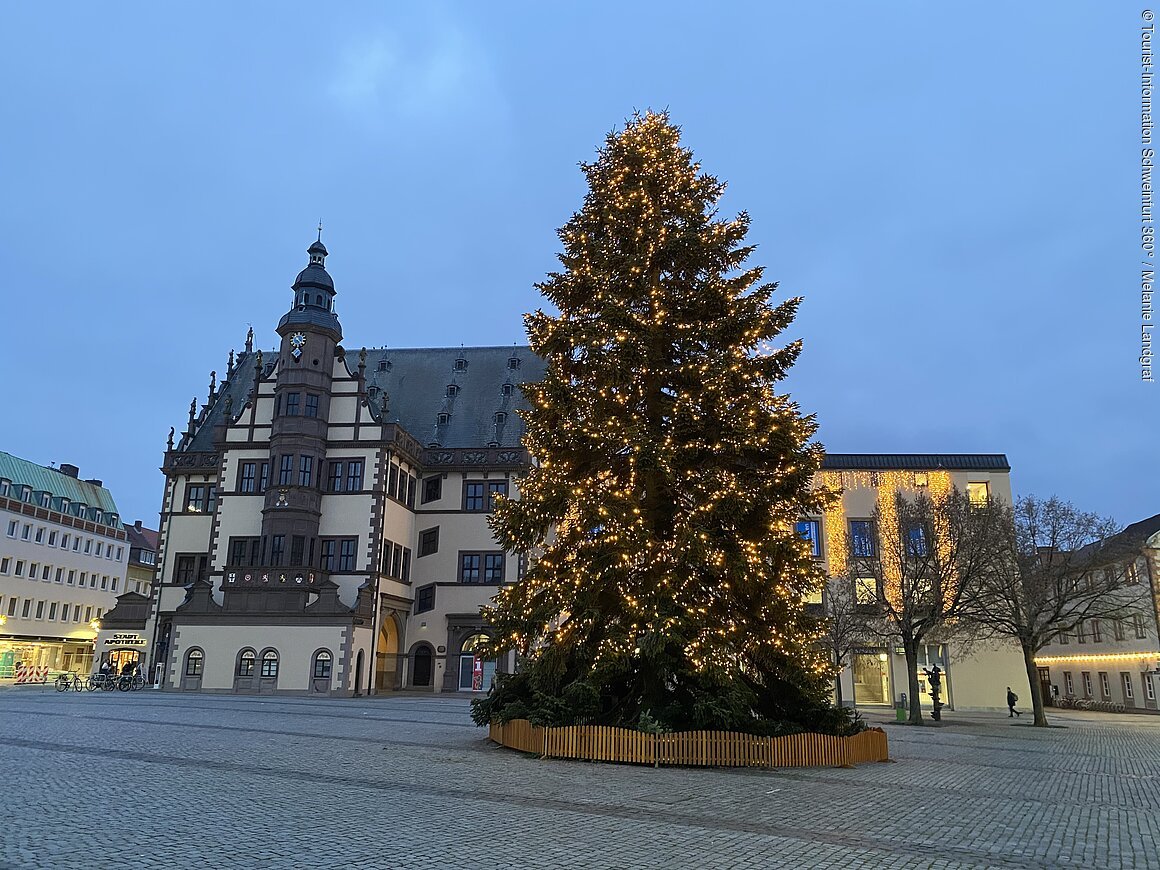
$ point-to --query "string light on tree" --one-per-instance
(668, 586)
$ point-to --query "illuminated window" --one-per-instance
(865, 590)
(810, 530)
(978, 493)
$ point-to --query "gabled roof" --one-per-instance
(142, 538)
(916, 462)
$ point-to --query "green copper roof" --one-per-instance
(60, 485)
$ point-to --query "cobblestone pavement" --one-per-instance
(151, 780)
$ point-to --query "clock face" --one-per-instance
(298, 339)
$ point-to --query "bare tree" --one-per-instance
(1055, 568)
(927, 550)
(846, 625)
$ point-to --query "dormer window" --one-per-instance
(384, 365)
(44, 499)
(461, 365)
(4, 486)
(506, 389)
(452, 390)
(514, 362)
(500, 418)
(443, 419)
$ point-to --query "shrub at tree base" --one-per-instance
(666, 583)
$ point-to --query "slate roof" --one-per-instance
(142, 538)
(916, 462)
(416, 382)
(59, 484)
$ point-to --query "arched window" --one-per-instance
(246, 662)
(319, 302)
(269, 664)
(322, 662)
(194, 661)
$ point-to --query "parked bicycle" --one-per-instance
(68, 681)
(104, 682)
(131, 682)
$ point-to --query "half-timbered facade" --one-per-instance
(324, 524)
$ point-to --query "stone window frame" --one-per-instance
(432, 493)
(269, 654)
(252, 660)
(248, 483)
(194, 654)
(316, 658)
(425, 598)
(428, 542)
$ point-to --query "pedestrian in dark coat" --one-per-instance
(1012, 700)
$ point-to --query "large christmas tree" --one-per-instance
(666, 583)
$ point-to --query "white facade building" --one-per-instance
(63, 555)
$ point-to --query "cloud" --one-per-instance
(436, 73)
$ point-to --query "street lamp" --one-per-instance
(95, 625)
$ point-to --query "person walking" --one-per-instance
(1012, 700)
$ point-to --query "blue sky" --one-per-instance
(953, 190)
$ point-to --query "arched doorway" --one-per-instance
(268, 672)
(475, 674)
(358, 672)
(422, 666)
(245, 670)
(320, 668)
(387, 655)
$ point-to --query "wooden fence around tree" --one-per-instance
(691, 748)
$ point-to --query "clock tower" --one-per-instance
(310, 334)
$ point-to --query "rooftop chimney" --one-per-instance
(70, 470)
(95, 482)
(137, 525)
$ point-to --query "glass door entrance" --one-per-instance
(871, 678)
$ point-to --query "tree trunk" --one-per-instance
(838, 687)
(1035, 686)
(910, 648)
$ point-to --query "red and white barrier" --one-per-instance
(31, 674)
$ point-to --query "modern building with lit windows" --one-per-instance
(1117, 661)
(876, 676)
(63, 556)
